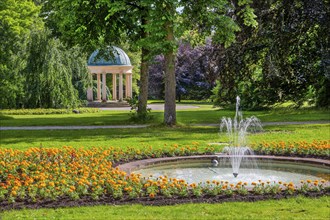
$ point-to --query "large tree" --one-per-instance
(17, 18)
(53, 73)
(170, 19)
(284, 59)
(195, 73)
(36, 70)
(155, 26)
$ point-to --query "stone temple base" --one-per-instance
(108, 104)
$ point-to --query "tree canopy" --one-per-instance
(36, 69)
(285, 59)
(266, 51)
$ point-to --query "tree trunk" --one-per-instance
(143, 88)
(170, 82)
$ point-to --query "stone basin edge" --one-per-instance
(140, 164)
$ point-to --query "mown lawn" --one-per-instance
(154, 136)
(159, 136)
(203, 115)
(293, 208)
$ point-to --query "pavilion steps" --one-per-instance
(108, 104)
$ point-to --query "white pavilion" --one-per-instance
(119, 65)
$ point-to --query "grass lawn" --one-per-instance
(157, 136)
(294, 208)
(204, 114)
(154, 136)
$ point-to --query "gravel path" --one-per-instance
(71, 127)
(142, 126)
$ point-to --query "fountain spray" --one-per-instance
(236, 131)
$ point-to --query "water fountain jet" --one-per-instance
(237, 163)
(237, 129)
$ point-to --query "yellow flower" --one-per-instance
(13, 193)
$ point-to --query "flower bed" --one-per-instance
(320, 149)
(49, 176)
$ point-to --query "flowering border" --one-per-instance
(48, 175)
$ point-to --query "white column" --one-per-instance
(98, 76)
(89, 94)
(114, 86)
(127, 86)
(104, 87)
(121, 87)
(130, 85)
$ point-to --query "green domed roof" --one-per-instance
(119, 57)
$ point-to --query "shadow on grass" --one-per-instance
(66, 120)
(126, 136)
(5, 117)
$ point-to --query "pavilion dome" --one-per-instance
(118, 58)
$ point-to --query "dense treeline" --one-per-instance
(36, 69)
(286, 58)
(281, 54)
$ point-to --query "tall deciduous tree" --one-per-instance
(171, 18)
(284, 59)
(17, 18)
(52, 72)
(195, 73)
(154, 25)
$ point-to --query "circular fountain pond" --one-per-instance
(197, 169)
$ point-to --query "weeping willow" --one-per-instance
(56, 77)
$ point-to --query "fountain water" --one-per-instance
(237, 129)
(238, 158)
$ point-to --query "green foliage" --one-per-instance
(135, 115)
(49, 73)
(17, 18)
(281, 60)
(153, 26)
(35, 70)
